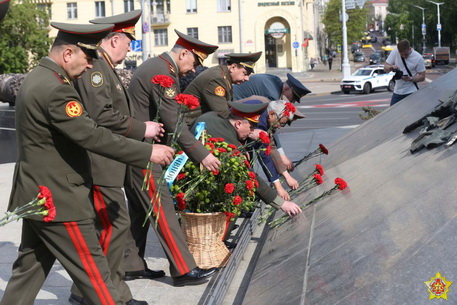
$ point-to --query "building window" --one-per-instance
(161, 6)
(161, 37)
(191, 6)
(224, 5)
(128, 6)
(99, 9)
(192, 32)
(45, 7)
(224, 33)
(72, 10)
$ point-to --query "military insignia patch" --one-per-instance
(170, 92)
(438, 287)
(96, 78)
(73, 109)
(219, 91)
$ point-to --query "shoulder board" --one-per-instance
(62, 79)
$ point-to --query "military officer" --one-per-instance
(235, 129)
(107, 102)
(54, 133)
(186, 54)
(272, 87)
(213, 87)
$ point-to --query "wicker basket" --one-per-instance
(204, 233)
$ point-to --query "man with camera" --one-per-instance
(409, 69)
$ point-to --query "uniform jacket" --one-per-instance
(107, 102)
(146, 96)
(213, 88)
(219, 127)
(267, 85)
(53, 133)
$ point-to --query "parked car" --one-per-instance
(355, 47)
(431, 57)
(368, 79)
(359, 57)
(428, 61)
(374, 38)
(375, 59)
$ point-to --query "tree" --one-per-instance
(24, 37)
(356, 24)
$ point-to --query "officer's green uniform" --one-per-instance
(54, 133)
(107, 103)
(4, 4)
(213, 87)
(146, 96)
(220, 127)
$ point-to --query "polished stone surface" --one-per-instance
(8, 151)
(378, 241)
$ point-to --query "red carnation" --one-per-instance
(212, 139)
(286, 114)
(263, 136)
(180, 152)
(181, 201)
(237, 200)
(215, 172)
(163, 80)
(187, 100)
(181, 176)
(210, 145)
(318, 179)
(323, 149)
(268, 150)
(341, 183)
(256, 183)
(229, 188)
(249, 185)
(229, 214)
(232, 146)
(246, 162)
(236, 153)
(251, 175)
(220, 149)
(320, 169)
(220, 139)
(290, 108)
(45, 193)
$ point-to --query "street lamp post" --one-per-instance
(438, 26)
(345, 66)
(423, 28)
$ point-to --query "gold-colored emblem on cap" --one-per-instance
(202, 55)
(247, 65)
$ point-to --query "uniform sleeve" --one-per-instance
(168, 112)
(68, 117)
(95, 89)
(268, 166)
(215, 96)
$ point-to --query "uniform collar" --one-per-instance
(50, 64)
(225, 74)
(106, 56)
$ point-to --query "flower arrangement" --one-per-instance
(230, 189)
(41, 205)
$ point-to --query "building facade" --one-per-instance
(288, 32)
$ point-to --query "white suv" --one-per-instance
(368, 79)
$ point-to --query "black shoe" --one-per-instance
(136, 302)
(230, 245)
(194, 277)
(143, 274)
(77, 300)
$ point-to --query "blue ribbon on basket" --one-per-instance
(178, 163)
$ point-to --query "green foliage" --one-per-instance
(356, 24)
(368, 113)
(24, 37)
(229, 189)
(404, 18)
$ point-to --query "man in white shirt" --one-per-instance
(407, 84)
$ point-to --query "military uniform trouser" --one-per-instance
(168, 231)
(75, 245)
(112, 224)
